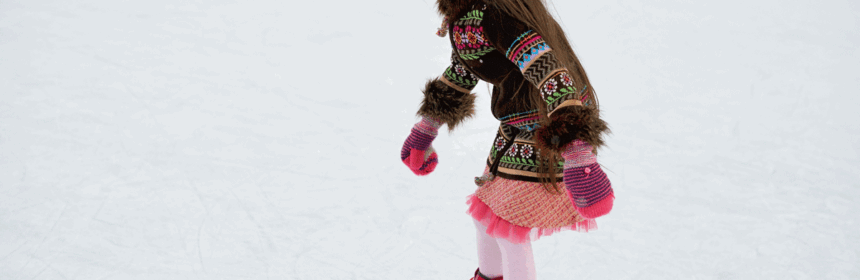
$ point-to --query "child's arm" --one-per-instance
(448, 97)
(447, 100)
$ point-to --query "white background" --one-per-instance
(260, 139)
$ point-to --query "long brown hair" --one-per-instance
(537, 17)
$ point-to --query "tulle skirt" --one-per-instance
(524, 211)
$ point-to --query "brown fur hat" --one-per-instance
(571, 123)
(453, 7)
(446, 104)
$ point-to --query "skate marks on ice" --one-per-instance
(206, 140)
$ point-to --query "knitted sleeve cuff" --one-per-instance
(571, 123)
(428, 126)
(577, 154)
(446, 104)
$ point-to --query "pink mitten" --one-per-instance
(587, 185)
(417, 152)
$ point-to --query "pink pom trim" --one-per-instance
(499, 228)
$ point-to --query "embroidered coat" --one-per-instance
(492, 46)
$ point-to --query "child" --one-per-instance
(542, 175)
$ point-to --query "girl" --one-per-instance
(542, 175)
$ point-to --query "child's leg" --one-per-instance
(519, 263)
(489, 254)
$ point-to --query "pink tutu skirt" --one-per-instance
(524, 211)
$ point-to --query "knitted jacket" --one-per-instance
(492, 46)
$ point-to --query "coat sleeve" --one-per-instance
(568, 108)
(448, 98)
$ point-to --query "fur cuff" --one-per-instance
(446, 104)
(571, 123)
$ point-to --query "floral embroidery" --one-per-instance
(566, 79)
(500, 143)
(527, 151)
(460, 76)
(513, 151)
(460, 70)
(464, 38)
(474, 15)
(549, 88)
(470, 37)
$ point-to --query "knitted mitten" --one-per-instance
(417, 152)
(587, 185)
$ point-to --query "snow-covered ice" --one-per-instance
(260, 139)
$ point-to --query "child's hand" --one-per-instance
(417, 152)
(588, 187)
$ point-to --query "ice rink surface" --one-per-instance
(260, 140)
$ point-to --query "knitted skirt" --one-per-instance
(524, 211)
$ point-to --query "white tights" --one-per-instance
(499, 257)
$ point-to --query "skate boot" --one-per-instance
(479, 276)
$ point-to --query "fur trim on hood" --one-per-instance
(453, 7)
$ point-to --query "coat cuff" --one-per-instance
(446, 104)
(571, 123)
